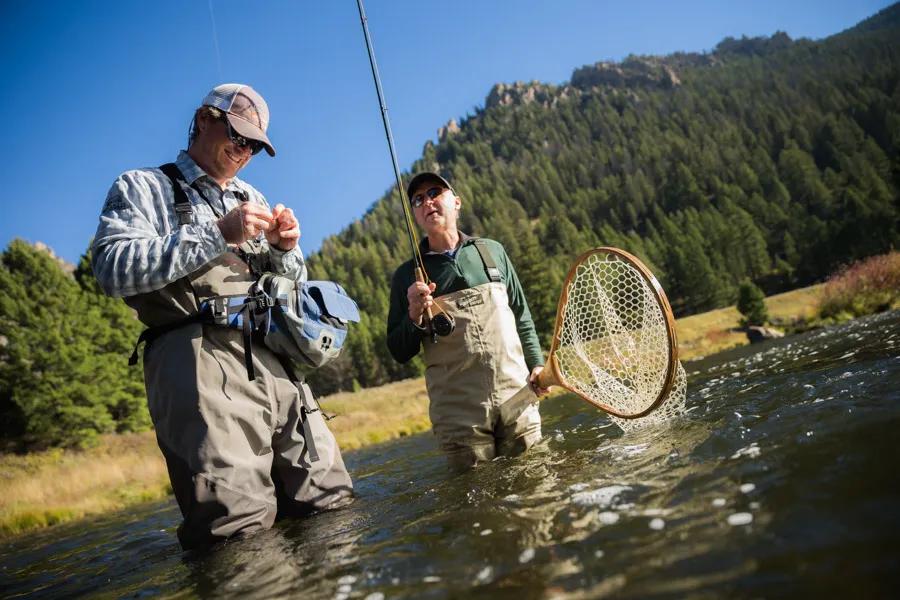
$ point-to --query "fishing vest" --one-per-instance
(303, 322)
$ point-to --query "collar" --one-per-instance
(424, 249)
(192, 171)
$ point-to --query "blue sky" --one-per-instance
(97, 87)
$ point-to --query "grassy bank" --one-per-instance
(46, 488)
(378, 414)
(717, 330)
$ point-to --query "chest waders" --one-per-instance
(238, 451)
(474, 370)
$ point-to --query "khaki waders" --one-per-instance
(472, 372)
(235, 448)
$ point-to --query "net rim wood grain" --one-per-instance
(553, 374)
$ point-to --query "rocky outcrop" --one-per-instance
(451, 128)
(518, 93)
(642, 72)
(634, 73)
(66, 266)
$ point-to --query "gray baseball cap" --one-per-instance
(423, 177)
(245, 110)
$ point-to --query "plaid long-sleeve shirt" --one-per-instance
(140, 246)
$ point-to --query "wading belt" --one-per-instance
(255, 321)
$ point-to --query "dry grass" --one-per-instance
(55, 486)
(378, 414)
(51, 487)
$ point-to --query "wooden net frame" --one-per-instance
(614, 342)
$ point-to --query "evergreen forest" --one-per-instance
(766, 160)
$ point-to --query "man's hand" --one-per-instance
(533, 381)
(244, 222)
(419, 297)
(285, 230)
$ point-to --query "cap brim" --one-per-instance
(250, 131)
(421, 178)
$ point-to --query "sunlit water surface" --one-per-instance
(782, 481)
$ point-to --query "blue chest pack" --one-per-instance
(306, 322)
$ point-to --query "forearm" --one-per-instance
(531, 345)
(404, 341)
(129, 261)
(291, 263)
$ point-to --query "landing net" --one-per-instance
(615, 344)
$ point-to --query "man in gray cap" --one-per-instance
(492, 352)
(240, 450)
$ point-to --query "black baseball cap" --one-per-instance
(426, 177)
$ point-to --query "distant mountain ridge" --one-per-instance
(768, 158)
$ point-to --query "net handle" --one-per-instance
(551, 375)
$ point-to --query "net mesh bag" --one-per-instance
(673, 406)
(613, 344)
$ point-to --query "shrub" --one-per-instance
(752, 304)
(865, 287)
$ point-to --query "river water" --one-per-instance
(781, 482)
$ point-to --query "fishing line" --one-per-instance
(410, 230)
(212, 18)
(440, 323)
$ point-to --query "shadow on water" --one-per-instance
(782, 481)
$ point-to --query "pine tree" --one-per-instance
(752, 304)
(63, 367)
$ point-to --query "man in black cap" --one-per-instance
(170, 241)
(492, 352)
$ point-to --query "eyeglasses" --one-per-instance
(432, 193)
(240, 141)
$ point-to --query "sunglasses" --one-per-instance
(432, 193)
(240, 141)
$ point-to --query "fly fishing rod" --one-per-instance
(439, 324)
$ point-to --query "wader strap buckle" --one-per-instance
(490, 266)
(218, 308)
(306, 399)
(182, 205)
(184, 213)
(263, 301)
(308, 434)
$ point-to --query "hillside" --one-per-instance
(768, 158)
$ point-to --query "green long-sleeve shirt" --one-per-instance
(450, 274)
